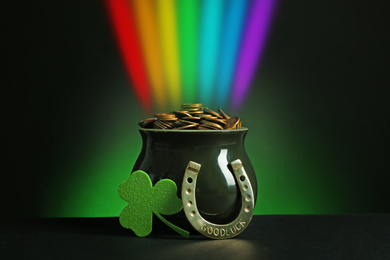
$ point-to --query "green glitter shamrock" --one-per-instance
(144, 200)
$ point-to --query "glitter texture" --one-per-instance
(144, 200)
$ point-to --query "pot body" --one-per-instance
(166, 153)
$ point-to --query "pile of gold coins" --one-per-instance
(192, 116)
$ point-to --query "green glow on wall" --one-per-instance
(317, 113)
(291, 163)
(92, 188)
(282, 167)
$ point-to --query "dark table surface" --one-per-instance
(364, 236)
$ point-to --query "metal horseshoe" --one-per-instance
(211, 230)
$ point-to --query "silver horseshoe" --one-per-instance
(206, 228)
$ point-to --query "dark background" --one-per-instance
(318, 110)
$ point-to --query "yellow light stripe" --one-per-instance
(145, 12)
(166, 11)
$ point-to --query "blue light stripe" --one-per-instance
(233, 23)
(210, 29)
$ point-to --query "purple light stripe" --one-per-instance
(251, 48)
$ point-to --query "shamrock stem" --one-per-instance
(182, 232)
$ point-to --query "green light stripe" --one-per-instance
(188, 17)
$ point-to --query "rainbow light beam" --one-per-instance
(251, 49)
(184, 51)
(125, 31)
(210, 27)
(230, 42)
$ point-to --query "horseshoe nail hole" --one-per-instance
(242, 178)
(189, 180)
(247, 209)
(189, 203)
(188, 191)
(245, 187)
(247, 197)
(193, 213)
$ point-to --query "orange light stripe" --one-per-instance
(145, 14)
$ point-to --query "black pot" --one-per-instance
(166, 153)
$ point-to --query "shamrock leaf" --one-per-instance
(144, 200)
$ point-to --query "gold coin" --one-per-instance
(192, 119)
(186, 127)
(232, 122)
(192, 105)
(207, 127)
(195, 113)
(188, 122)
(212, 125)
(192, 109)
(147, 123)
(211, 112)
(223, 113)
(167, 124)
(157, 124)
(222, 122)
(192, 116)
(180, 113)
(166, 116)
(201, 127)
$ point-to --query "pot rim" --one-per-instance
(242, 129)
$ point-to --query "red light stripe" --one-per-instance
(121, 15)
